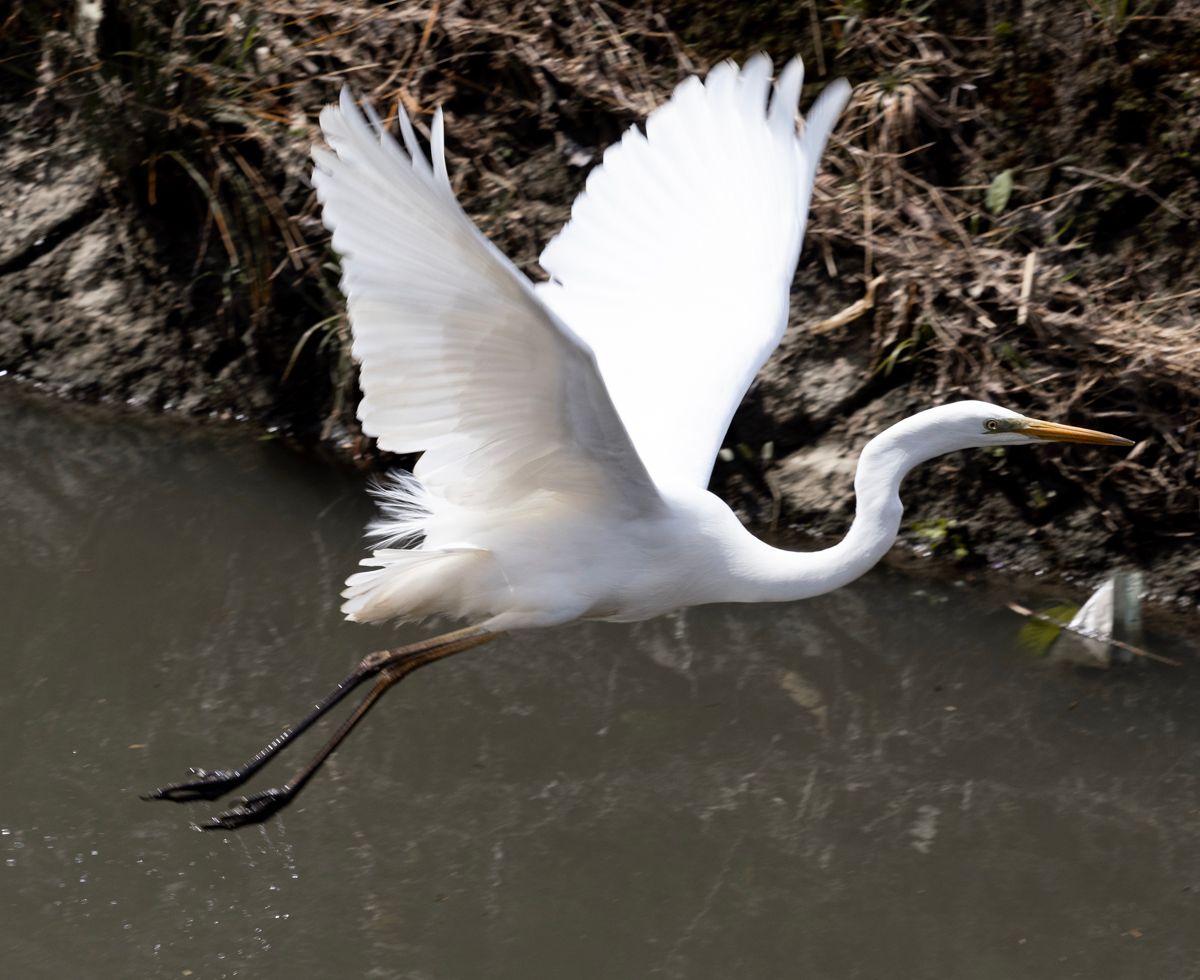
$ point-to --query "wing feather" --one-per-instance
(459, 358)
(676, 264)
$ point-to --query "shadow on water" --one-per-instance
(876, 783)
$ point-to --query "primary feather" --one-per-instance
(678, 259)
(458, 358)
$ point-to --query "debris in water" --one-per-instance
(1103, 632)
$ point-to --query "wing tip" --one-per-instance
(785, 101)
(756, 59)
(823, 115)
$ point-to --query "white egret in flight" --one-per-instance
(569, 427)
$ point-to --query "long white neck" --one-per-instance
(762, 573)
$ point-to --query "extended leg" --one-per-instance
(387, 666)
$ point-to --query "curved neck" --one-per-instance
(769, 574)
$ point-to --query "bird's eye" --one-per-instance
(992, 425)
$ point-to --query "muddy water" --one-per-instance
(874, 784)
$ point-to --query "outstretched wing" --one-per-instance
(676, 264)
(459, 358)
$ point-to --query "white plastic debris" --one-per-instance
(1114, 612)
(1106, 630)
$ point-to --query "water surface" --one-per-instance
(877, 783)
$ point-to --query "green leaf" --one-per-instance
(1038, 634)
(999, 191)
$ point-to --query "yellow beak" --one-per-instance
(1056, 432)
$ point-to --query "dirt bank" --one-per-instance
(1009, 212)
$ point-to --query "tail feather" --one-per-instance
(413, 584)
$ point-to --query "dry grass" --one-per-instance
(1009, 306)
(206, 109)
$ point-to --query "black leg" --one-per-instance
(387, 666)
(259, 806)
(210, 784)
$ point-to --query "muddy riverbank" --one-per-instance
(1008, 212)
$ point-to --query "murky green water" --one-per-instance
(874, 784)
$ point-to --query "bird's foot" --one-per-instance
(208, 785)
(251, 809)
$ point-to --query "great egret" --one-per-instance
(569, 427)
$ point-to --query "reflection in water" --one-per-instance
(877, 783)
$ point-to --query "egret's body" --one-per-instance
(553, 558)
(569, 428)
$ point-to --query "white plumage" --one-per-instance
(569, 428)
(677, 261)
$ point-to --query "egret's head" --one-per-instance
(979, 425)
